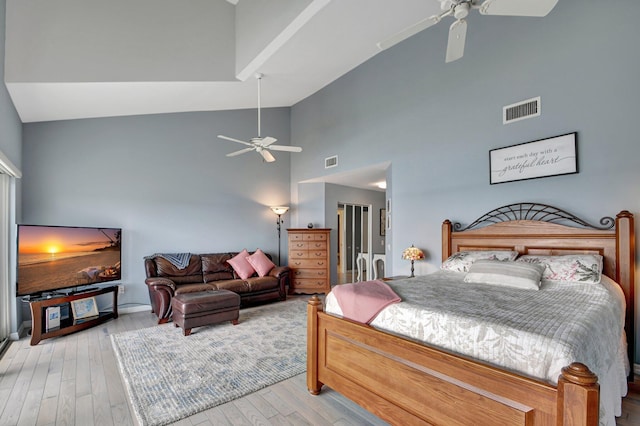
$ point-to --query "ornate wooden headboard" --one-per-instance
(531, 228)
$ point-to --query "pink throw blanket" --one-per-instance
(362, 301)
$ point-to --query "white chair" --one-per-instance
(362, 257)
(378, 258)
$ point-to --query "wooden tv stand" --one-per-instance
(69, 325)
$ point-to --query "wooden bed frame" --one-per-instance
(405, 382)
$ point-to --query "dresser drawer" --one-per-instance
(309, 283)
(317, 254)
(308, 263)
(308, 254)
(299, 254)
(308, 244)
(310, 273)
(296, 237)
(298, 245)
(317, 245)
(314, 237)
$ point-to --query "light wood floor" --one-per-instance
(74, 380)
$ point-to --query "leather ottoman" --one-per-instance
(205, 308)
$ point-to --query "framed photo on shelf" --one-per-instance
(84, 308)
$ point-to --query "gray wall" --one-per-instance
(163, 178)
(436, 122)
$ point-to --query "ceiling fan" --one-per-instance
(262, 146)
(459, 9)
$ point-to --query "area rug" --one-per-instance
(169, 376)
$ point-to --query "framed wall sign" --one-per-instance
(545, 157)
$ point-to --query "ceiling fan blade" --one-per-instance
(517, 7)
(234, 140)
(457, 37)
(268, 157)
(242, 151)
(285, 148)
(409, 31)
(268, 141)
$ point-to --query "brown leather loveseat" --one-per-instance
(209, 272)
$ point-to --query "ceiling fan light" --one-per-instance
(461, 11)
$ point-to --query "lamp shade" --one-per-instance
(279, 210)
(412, 253)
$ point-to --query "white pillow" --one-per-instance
(460, 262)
(586, 268)
(509, 274)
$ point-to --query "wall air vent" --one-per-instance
(521, 110)
(330, 162)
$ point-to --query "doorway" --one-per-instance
(354, 242)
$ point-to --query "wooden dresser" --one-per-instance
(309, 260)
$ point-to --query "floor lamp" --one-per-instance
(279, 210)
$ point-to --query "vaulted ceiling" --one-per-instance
(74, 59)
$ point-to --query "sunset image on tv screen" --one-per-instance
(55, 257)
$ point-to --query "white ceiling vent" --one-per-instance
(330, 162)
(521, 110)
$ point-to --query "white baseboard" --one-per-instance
(636, 369)
(26, 325)
(133, 309)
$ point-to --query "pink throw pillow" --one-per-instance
(261, 263)
(241, 266)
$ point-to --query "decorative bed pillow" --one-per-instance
(585, 268)
(460, 262)
(261, 263)
(509, 274)
(241, 266)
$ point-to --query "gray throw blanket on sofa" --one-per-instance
(179, 260)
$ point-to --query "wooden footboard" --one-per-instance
(404, 382)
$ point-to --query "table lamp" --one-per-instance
(412, 253)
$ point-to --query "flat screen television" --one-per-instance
(55, 258)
